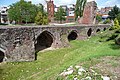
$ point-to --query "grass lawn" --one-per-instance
(50, 64)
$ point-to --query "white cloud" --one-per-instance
(111, 3)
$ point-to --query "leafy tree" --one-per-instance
(116, 24)
(98, 18)
(22, 11)
(114, 12)
(118, 17)
(60, 15)
(80, 4)
(106, 21)
(41, 19)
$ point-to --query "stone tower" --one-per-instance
(50, 10)
(89, 14)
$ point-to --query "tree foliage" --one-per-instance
(114, 12)
(22, 12)
(80, 4)
(60, 15)
(41, 18)
(118, 17)
(107, 21)
(116, 24)
(98, 18)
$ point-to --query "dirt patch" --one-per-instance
(109, 66)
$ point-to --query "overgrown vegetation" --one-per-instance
(113, 33)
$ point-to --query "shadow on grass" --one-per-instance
(114, 46)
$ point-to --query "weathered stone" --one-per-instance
(89, 14)
(21, 43)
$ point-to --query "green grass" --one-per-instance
(49, 64)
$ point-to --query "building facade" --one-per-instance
(50, 10)
(89, 14)
(4, 15)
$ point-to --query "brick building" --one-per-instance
(89, 14)
(50, 10)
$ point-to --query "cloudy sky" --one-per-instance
(100, 3)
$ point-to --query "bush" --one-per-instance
(116, 24)
(109, 35)
(117, 40)
(41, 19)
(106, 21)
(98, 18)
(118, 17)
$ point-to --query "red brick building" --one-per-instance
(89, 14)
(50, 10)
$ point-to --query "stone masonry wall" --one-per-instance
(89, 14)
(18, 43)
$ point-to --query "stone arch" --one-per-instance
(72, 35)
(43, 41)
(104, 29)
(89, 32)
(98, 30)
(2, 55)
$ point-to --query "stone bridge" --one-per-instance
(21, 43)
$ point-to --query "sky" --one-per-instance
(100, 3)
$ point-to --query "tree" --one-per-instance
(118, 17)
(80, 4)
(98, 18)
(116, 24)
(22, 11)
(114, 12)
(41, 18)
(60, 14)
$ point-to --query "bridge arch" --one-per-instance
(43, 41)
(2, 55)
(89, 32)
(72, 35)
(98, 30)
(104, 29)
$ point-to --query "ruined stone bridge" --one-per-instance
(21, 43)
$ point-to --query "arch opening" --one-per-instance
(104, 29)
(44, 40)
(98, 30)
(2, 55)
(72, 36)
(89, 32)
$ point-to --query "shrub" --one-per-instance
(116, 24)
(117, 40)
(41, 19)
(118, 17)
(106, 21)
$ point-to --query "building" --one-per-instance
(103, 12)
(50, 10)
(4, 15)
(71, 14)
(89, 14)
